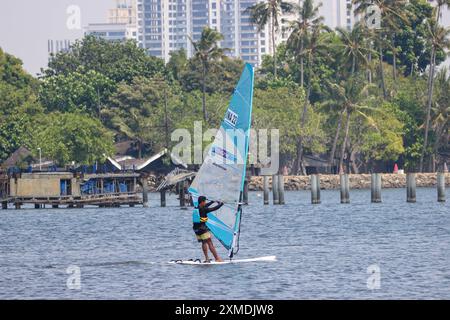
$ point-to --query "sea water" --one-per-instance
(391, 250)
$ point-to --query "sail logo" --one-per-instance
(231, 118)
(223, 153)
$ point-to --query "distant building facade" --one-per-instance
(121, 23)
(57, 46)
(112, 31)
(168, 25)
(163, 26)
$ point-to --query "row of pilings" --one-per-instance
(375, 188)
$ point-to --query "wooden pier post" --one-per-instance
(281, 189)
(411, 187)
(276, 199)
(441, 186)
(266, 189)
(18, 205)
(5, 205)
(163, 197)
(55, 206)
(144, 192)
(315, 189)
(245, 193)
(345, 188)
(37, 206)
(376, 188)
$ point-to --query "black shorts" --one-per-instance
(202, 232)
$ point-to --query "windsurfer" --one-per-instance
(200, 217)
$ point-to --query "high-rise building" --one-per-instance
(168, 25)
(335, 13)
(123, 12)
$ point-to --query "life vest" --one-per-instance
(196, 217)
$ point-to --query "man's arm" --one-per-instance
(209, 204)
(219, 205)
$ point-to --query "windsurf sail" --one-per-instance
(222, 174)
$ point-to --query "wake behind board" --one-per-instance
(199, 262)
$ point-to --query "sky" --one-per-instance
(27, 25)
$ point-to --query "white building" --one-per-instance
(112, 31)
(167, 25)
(336, 14)
(121, 23)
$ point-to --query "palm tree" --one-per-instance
(308, 17)
(391, 12)
(269, 13)
(354, 46)
(349, 95)
(207, 50)
(439, 40)
(440, 121)
(316, 44)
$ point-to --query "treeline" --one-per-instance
(357, 97)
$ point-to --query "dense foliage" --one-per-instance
(362, 99)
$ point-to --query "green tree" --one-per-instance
(308, 18)
(316, 44)
(15, 132)
(277, 107)
(207, 50)
(351, 96)
(439, 40)
(67, 137)
(391, 13)
(377, 135)
(177, 63)
(354, 47)
(80, 90)
(118, 61)
(222, 75)
(269, 13)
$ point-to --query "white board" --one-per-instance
(198, 262)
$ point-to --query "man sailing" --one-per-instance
(199, 218)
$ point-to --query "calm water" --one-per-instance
(323, 251)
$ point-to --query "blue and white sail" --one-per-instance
(222, 174)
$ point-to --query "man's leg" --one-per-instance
(205, 250)
(213, 250)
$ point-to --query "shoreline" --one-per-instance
(357, 181)
(332, 182)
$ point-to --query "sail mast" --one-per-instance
(222, 174)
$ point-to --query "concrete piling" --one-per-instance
(266, 189)
(163, 197)
(276, 196)
(144, 193)
(376, 188)
(245, 193)
(281, 189)
(182, 194)
(441, 186)
(345, 188)
(410, 187)
(315, 189)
